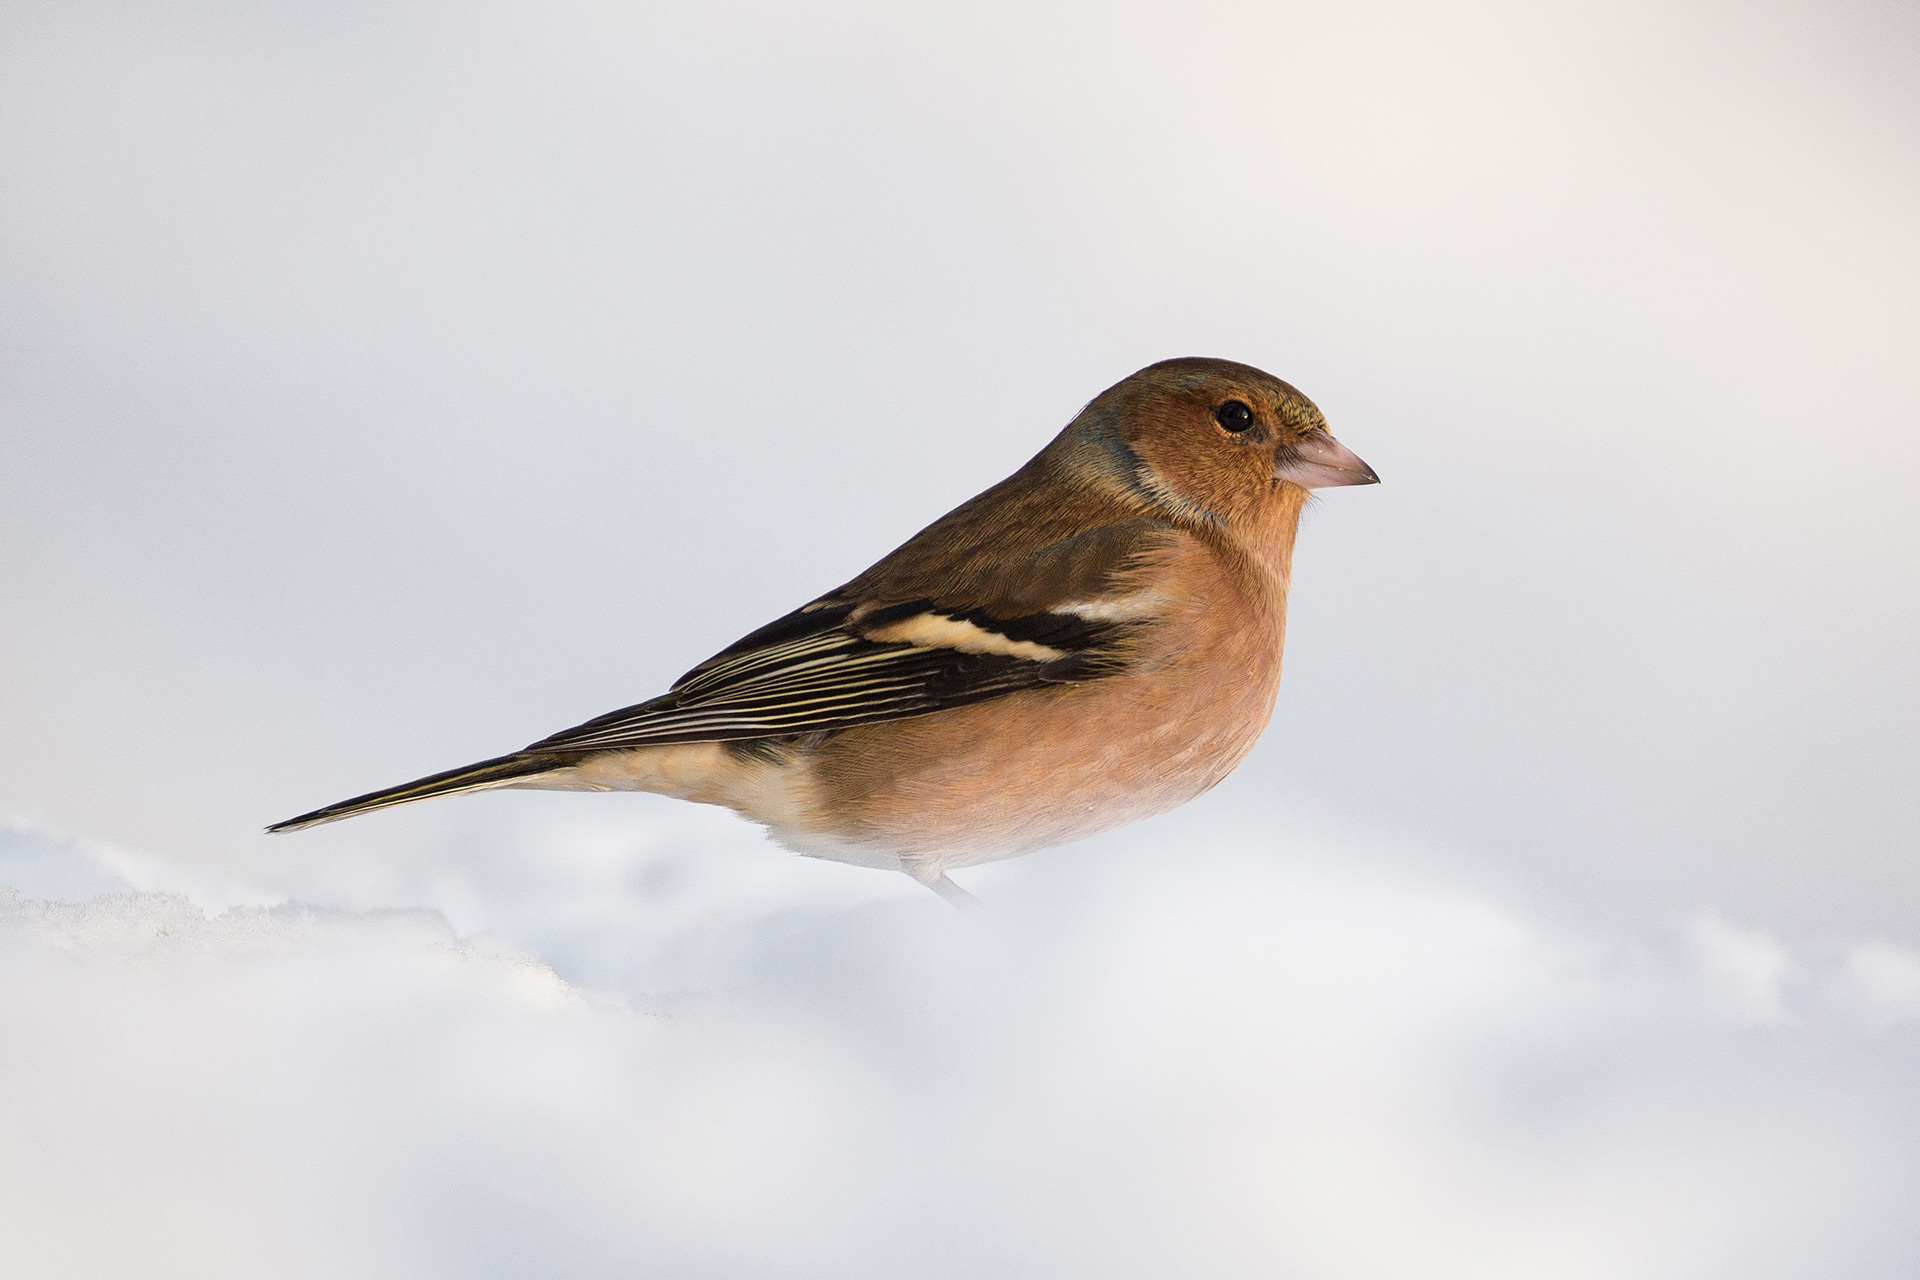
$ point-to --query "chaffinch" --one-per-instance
(1093, 640)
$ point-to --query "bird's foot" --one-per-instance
(954, 896)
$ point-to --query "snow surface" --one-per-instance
(699, 1058)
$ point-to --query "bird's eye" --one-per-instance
(1234, 416)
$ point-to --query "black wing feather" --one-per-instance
(813, 671)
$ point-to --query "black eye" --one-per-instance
(1234, 415)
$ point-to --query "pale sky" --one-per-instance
(389, 386)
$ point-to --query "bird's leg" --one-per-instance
(953, 895)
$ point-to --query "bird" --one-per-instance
(1094, 640)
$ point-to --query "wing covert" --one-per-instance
(850, 659)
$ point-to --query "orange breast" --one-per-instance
(1042, 768)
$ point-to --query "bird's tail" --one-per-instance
(497, 772)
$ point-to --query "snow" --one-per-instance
(1248, 1058)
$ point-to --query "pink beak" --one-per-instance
(1321, 462)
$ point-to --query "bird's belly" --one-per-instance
(994, 780)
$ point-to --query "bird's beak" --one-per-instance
(1321, 462)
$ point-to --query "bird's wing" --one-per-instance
(853, 658)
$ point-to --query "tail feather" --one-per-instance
(475, 777)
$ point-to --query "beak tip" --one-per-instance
(1321, 462)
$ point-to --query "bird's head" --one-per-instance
(1208, 439)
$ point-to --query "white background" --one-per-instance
(384, 387)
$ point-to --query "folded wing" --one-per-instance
(850, 659)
